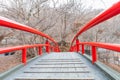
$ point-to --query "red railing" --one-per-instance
(12, 24)
(4, 22)
(24, 50)
(94, 45)
(107, 14)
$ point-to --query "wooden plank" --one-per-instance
(65, 65)
(59, 76)
(58, 59)
(59, 67)
(56, 72)
(57, 63)
(54, 69)
(61, 61)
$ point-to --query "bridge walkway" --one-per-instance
(63, 65)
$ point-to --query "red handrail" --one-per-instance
(12, 24)
(24, 50)
(14, 48)
(107, 14)
(110, 46)
(4, 22)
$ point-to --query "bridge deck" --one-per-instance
(59, 66)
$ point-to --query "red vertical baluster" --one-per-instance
(51, 48)
(74, 48)
(24, 52)
(58, 49)
(83, 50)
(77, 45)
(54, 49)
(47, 47)
(40, 50)
(94, 55)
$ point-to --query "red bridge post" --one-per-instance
(74, 48)
(70, 49)
(51, 48)
(47, 47)
(77, 45)
(83, 50)
(24, 52)
(94, 55)
(40, 50)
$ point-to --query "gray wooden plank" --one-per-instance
(58, 63)
(59, 76)
(61, 62)
(57, 66)
(65, 65)
(57, 70)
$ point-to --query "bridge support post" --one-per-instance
(24, 52)
(52, 49)
(55, 49)
(40, 50)
(77, 45)
(75, 48)
(94, 55)
(83, 50)
(47, 47)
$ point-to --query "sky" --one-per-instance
(96, 4)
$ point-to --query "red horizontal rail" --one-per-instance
(107, 14)
(24, 50)
(12, 24)
(109, 46)
(114, 47)
(9, 49)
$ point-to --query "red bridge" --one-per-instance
(71, 65)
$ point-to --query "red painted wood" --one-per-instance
(40, 50)
(77, 45)
(24, 59)
(4, 22)
(9, 49)
(94, 55)
(105, 15)
(109, 46)
(47, 47)
(83, 50)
